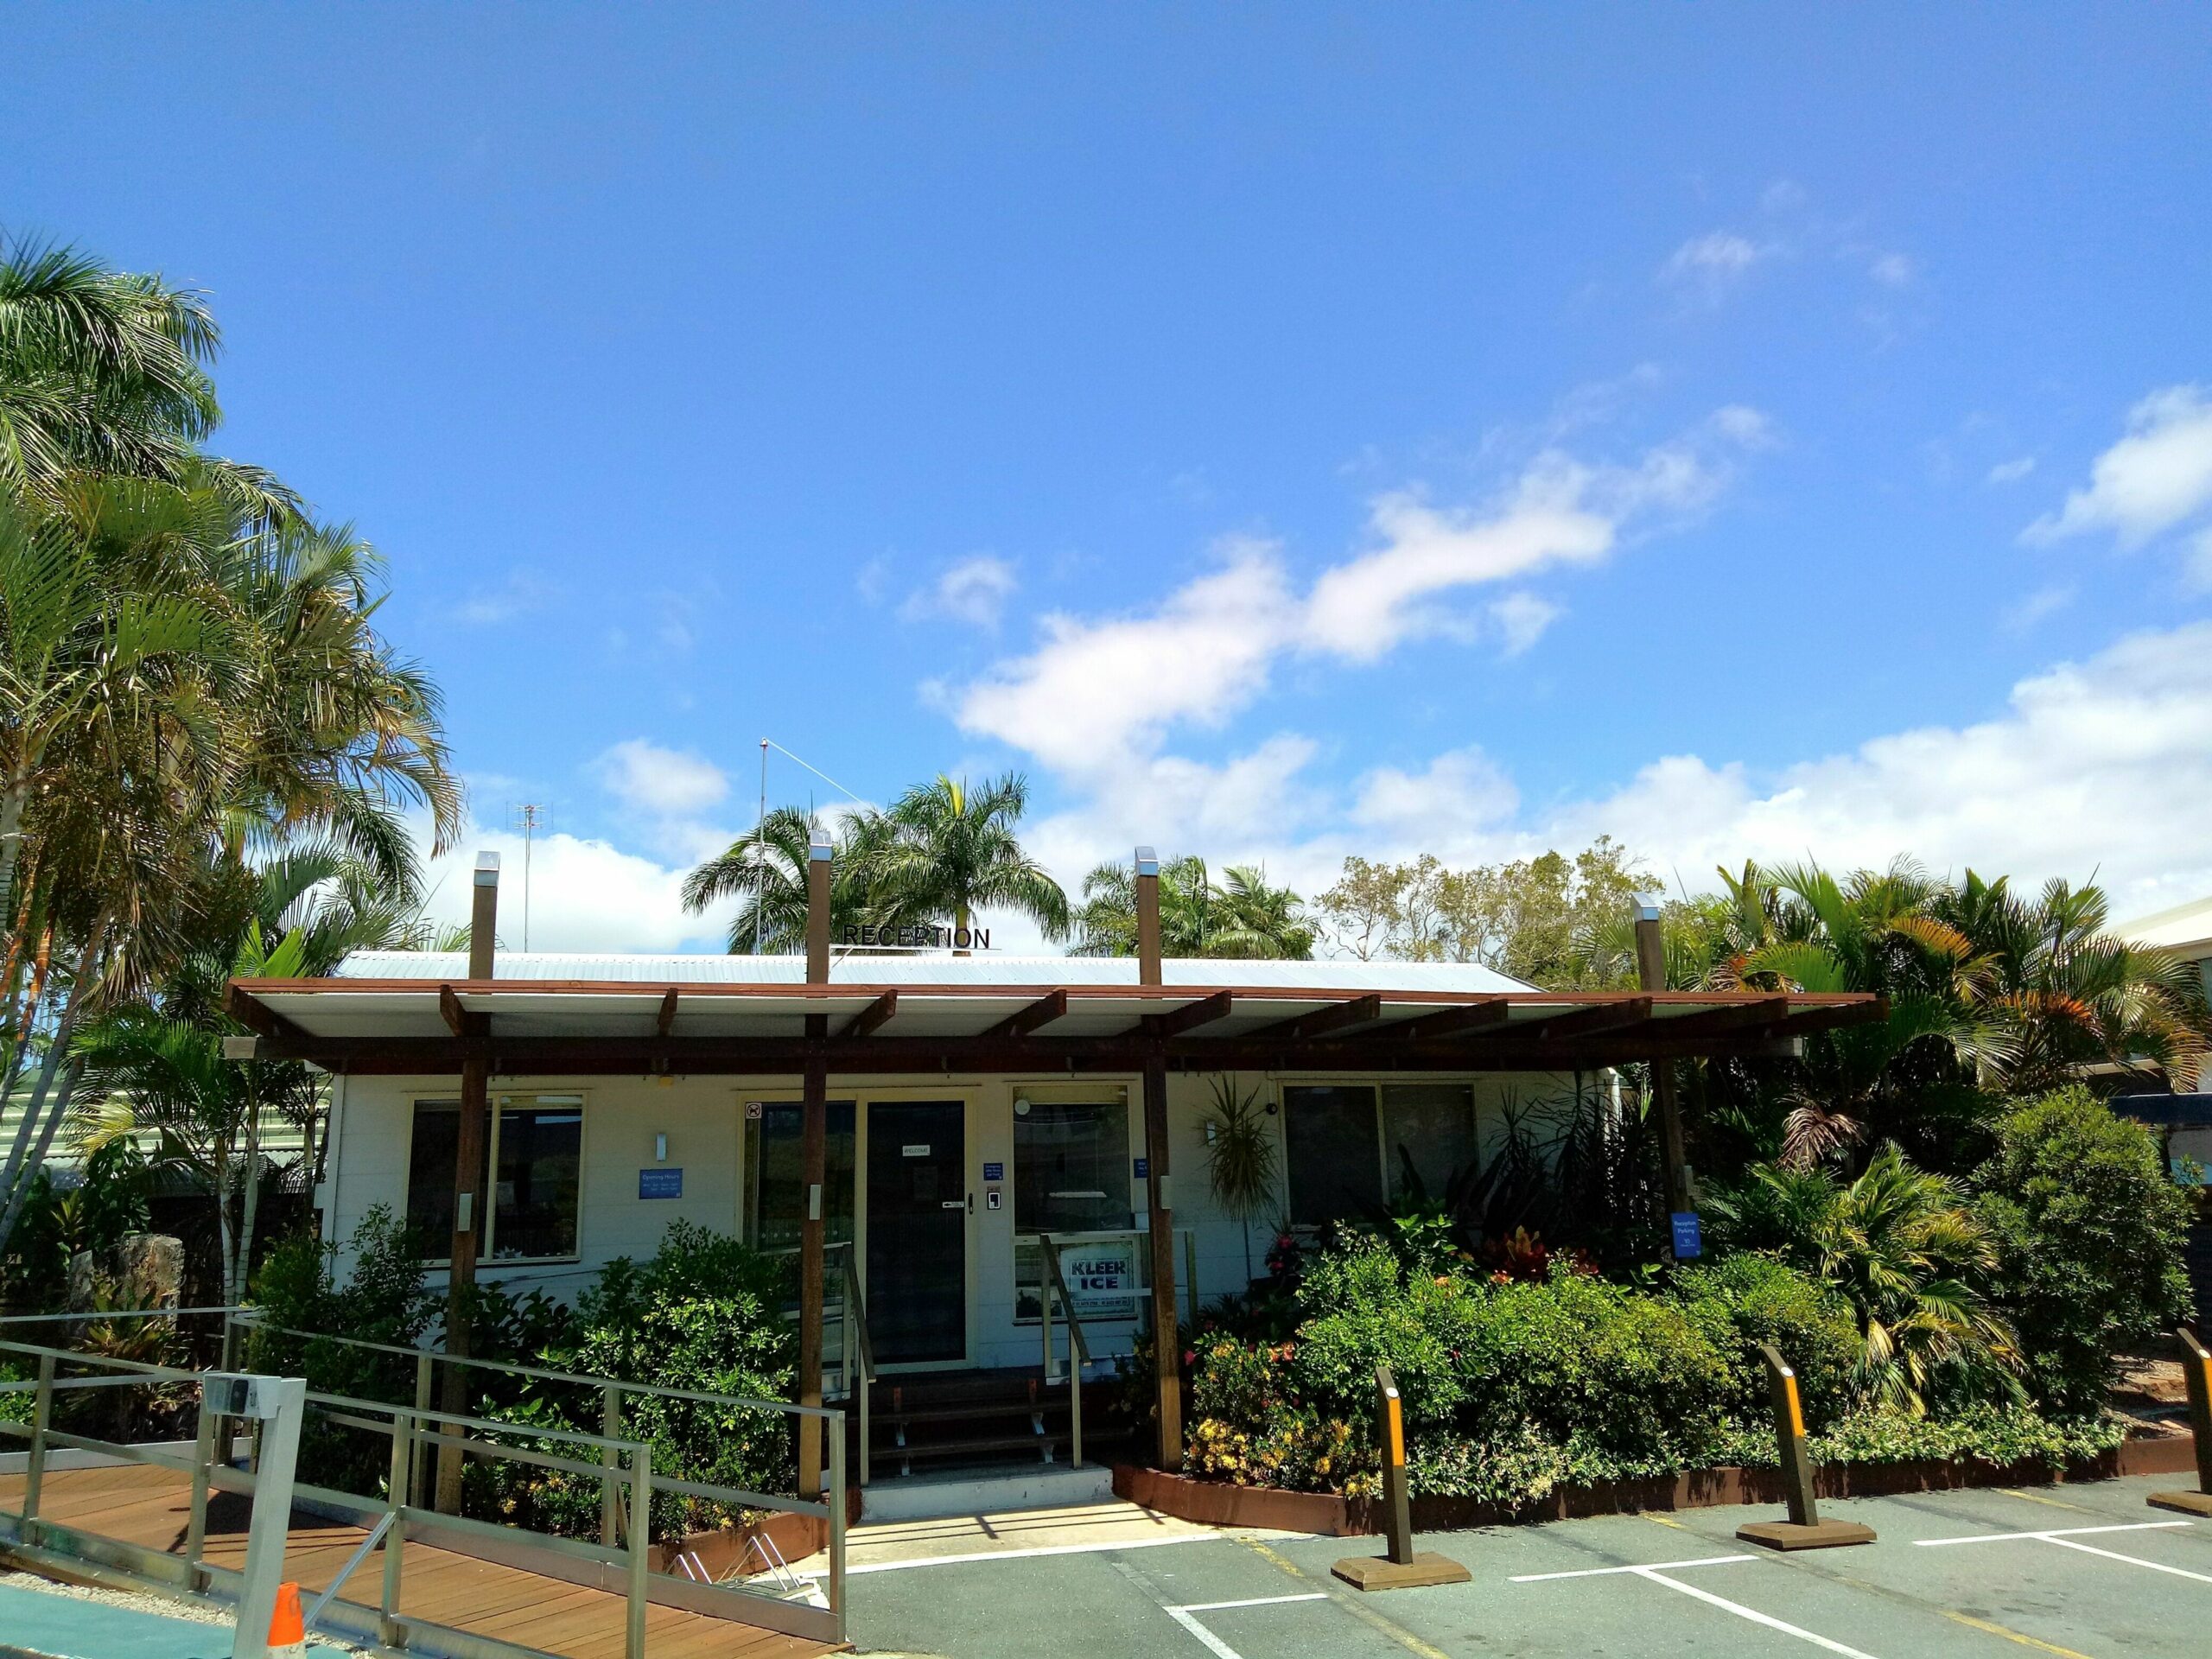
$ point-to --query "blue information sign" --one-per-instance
(1689, 1237)
(994, 1171)
(660, 1183)
(1144, 1168)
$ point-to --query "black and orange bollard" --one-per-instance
(1804, 1529)
(1402, 1568)
(2196, 1372)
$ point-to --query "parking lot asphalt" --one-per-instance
(2086, 1571)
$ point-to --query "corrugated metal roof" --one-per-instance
(982, 968)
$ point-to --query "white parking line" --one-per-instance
(2064, 1538)
(1248, 1601)
(2049, 1532)
(1221, 1650)
(1648, 1567)
(1655, 1573)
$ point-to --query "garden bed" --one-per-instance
(1214, 1503)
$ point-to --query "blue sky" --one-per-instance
(1281, 434)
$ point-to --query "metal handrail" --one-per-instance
(513, 1368)
(1054, 1287)
(416, 1429)
(853, 1342)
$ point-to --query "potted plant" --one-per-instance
(1241, 1161)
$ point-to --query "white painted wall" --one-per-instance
(702, 1119)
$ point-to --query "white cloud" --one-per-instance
(1521, 620)
(974, 591)
(1717, 256)
(1892, 270)
(585, 895)
(2025, 613)
(522, 592)
(2157, 476)
(1095, 691)
(1097, 695)
(1463, 787)
(2011, 471)
(2094, 766)
(665, 783)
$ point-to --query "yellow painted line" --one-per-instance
(2037, 1497)
(1988, 1629)
(1664, 1521)
(1398, 1633)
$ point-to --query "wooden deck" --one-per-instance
(151, 1507)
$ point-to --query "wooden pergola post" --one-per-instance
(1159, 1197)
(814, 1154)
(1651, 974)
(468, 1203)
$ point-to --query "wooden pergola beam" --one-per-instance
(1203, 1012)
(1022, 1022)
(1585, 1022)
(1767, 1011)
(259, 1018)
(871, 1018)
(1516, 1049)
(1322, 1022)
(665, 1021)
(1451, 1022)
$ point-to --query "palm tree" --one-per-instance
(764, 871)
(949, 852)
(1903, 1248)
(105, 372)
(1240, 917)
(2071, 995)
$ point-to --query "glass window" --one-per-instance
(1072, 1169)
(431, 1151)
(1428, 1128)
(1333, 1159)
(535, 1143)
(540, 1156)
(772, 1147)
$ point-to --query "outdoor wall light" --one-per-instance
(660, 1149)
(1021, 1106)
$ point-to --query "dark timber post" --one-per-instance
(2196, 1372)
(814, 1154)
(1804, 1529)
(1651, 975)
(1167, 1342)
(469, 1204)
(1400, 1566)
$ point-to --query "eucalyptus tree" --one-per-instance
(949, 852)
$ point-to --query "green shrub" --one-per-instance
(1745, 1300)
(2090, 1234)
(1622, 1380)
(701, 1314)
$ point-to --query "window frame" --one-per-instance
(1375, 1083)
(497, 1102)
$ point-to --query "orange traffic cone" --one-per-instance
(287, 1632)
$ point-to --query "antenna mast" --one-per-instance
(530, 817)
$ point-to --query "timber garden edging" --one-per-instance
(1215, 1503)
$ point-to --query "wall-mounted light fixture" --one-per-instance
(660, 1149)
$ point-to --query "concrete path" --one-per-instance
(2079, 1572)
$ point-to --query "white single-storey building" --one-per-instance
(965, 1106)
